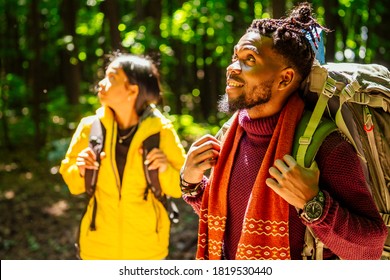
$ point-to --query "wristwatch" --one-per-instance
(314, 208)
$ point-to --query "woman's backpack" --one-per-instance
(96, 142)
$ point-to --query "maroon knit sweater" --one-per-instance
(350, 226)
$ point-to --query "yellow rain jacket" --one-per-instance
(127, 226)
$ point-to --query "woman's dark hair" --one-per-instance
(289, 36)
(142, 71)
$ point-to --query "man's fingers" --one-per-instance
(272, 183)
(207, 164)
(275, 173)
(202, 155)
(206, 156)
(204, 139)
(291, 162)
(281, 165)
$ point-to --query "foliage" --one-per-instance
(194, 37)
(52, 53)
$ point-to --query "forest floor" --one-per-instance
(40, 218)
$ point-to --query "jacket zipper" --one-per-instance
(118, 185)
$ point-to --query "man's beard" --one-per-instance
(260, 94)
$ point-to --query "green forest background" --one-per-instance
(53, 52)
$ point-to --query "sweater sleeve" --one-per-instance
(196, 201)
(351, 226)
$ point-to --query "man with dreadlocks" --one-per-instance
(251, 206)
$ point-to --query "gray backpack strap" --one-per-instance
(313, 248)
(222, 131)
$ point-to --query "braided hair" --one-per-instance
(289, 36)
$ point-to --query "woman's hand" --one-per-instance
(156, 159)
(86, 159)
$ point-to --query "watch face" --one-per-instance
(313, 210)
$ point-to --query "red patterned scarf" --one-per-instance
(265, 232)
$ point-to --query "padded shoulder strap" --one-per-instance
(151, 176)
(153, 183)
(96, 143)
(306, 156)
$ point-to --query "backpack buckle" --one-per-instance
(304, 140)
(330, 87)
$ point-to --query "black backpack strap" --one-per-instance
(96, 143)
(151, 176)
(153, 182)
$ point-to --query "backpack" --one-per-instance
(355, 99)
(96, 142)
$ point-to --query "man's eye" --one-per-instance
(234, 57)
(251, 58)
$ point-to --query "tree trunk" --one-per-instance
(177, 84)
(332, 21)
(380, 46)
(278, 8)
(139, 10)
(4, 92)
(70, 71)
(36, 77)
(154, 9)
(111, 12)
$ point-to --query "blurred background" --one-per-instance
(53, 52)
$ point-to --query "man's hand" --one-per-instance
(202, 155)
(295, 184)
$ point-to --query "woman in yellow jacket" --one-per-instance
(127, 225)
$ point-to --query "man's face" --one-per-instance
(251, 75)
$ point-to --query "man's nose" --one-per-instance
(234, 67)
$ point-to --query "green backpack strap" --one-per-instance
(311, 144)
(309, 135)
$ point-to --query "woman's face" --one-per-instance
(114, 88)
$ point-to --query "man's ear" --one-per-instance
(287, 78)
